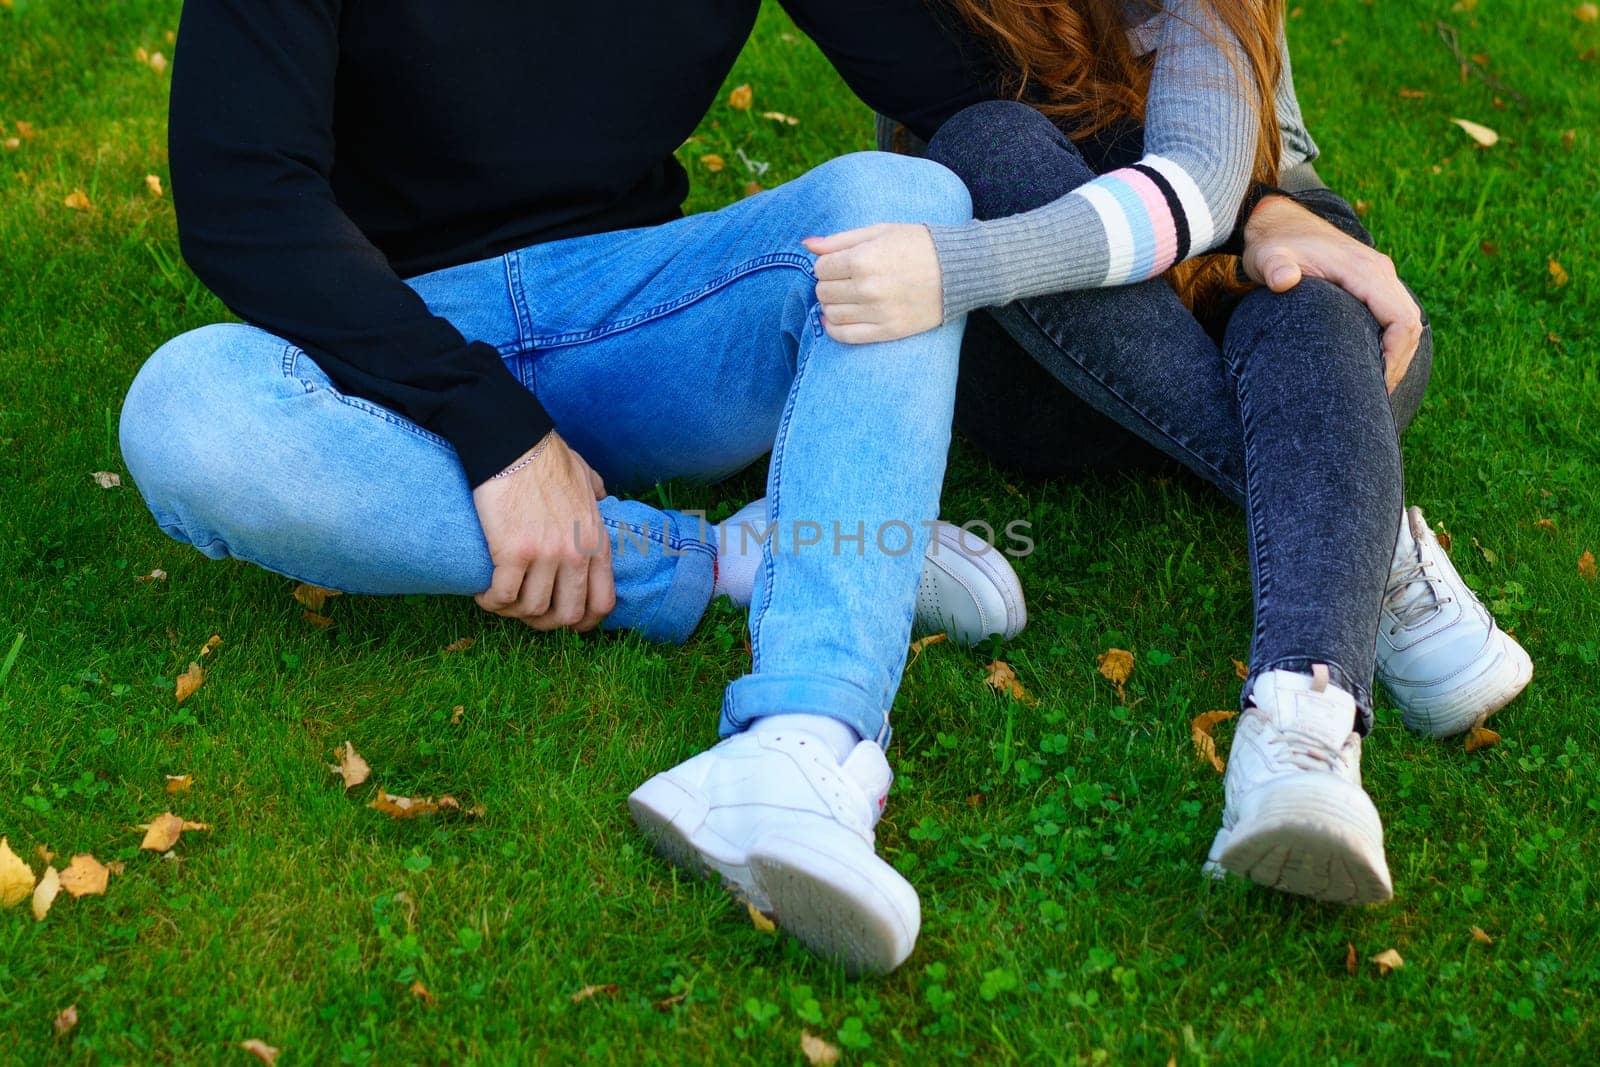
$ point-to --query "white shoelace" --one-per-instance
(1308, 753)
(1412, 597)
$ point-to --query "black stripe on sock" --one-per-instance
(1180, 221)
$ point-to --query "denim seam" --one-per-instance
(519, 307)
(1252, 496)
(780, 443)
(1137, 411)
(292, 355)
(560, 340)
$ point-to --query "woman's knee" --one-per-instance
(863, 188)
(1011, 157)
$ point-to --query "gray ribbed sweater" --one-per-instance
(1179, 201)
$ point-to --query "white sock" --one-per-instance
(739, 542)
(840, 737)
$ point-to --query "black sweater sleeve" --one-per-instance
(252, 152)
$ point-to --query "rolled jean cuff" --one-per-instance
(1337, 675)
(673, 615)
(758, 695)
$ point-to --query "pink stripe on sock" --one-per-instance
(1161, 221)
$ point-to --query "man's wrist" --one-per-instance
(527, 457)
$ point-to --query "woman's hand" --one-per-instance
(1283, 242)
(879, 283)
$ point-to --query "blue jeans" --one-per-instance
(686, 350)
(1278, 399)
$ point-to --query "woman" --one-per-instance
(1291, 401)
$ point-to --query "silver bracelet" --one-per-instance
(535, 453)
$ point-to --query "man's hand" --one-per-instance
(551, 553)
(1283, 242)
(879, 283)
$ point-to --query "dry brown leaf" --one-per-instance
(44, 894)
(1387, 960)
(141, 55)
(759, 919)
(157, 575)
(313, 597)
(189, 682)
(420, 991)
(1587, 12)
(588, 991)
(77, 200)
(1411, 94)
(1003, 679)
(85, 876)
(1115, 665)
(44, 854)
(1568, 139)
(403, 807)
(25, 130)
(1479, 936)
(1351, 963)
(817, 1052)
(461, 644)
(1241, 670)
(1362, 207)
(13, 143)
(1489, 248)
(741, 98)
(1483, 135)
(671, 1002)
(925, 642)
(752, 188)
(351, 767)
(778, 116)
(62, 1024)
(1547, 525)
(158, 62)
(1586, 566)
(260, 1050)
(152, 182)
(163, 832)
(213, 643)
(321, 622)
(16, 877)
(178, 783)
(105, 479)
(713, 162)
(456, 714)
(1558, 273)
(1203, 732)
(1481, 737)
(116, 867)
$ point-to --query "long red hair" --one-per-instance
(1072, 59)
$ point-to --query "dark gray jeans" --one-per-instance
(1280, 402)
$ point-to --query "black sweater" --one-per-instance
(322, 150)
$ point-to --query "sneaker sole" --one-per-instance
(1455, 711)
(1310, 850)
(853, 909)
(993, 568)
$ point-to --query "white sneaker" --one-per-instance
(790, 829)
(968, 590)
(1296, 817)
(1441, 656)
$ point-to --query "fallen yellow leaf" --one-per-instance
(456, 713)
(13, 143)
(77, 200)
(44, 854)
(1003, 679)
(1387, 960)
(1483, 135)
(817, 1052)
(44, 894)
(212, 644)
(1547, 525)
(741, 98)
(158, 62)
(1558, 274)
(178, 783)
(759, 919)
(778, 116)
(589, 991)
(351, 767)
(189, 682)
(752, 188)
(460, 644)
(1479, 936)
(152, 182)
(1481, 737)
(403, 807)
(64, 1022)
(1203, 729)
(85, 876)
(321, 622)
(925, 642)
(1586, 566)
(1586, 12)
(1351, 964)
(1241, 670)
(1115, 665)
(420, 991)
(313, 597)
(163, 832)
(105, 479)
(25, 130)
(260, 1050)
(712, 162)
(16, 877)
(157, 575)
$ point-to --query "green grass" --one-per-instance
(1056, 849)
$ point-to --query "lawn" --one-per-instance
(1056, 848)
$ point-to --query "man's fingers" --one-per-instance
(538, 586)
(503, 589)
(834, 267)
(602, 588)
(847, 314)
(1281, 272)
(598, 484)
(569, 598)
(844, 291)
(857, 333)
(822, 246)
